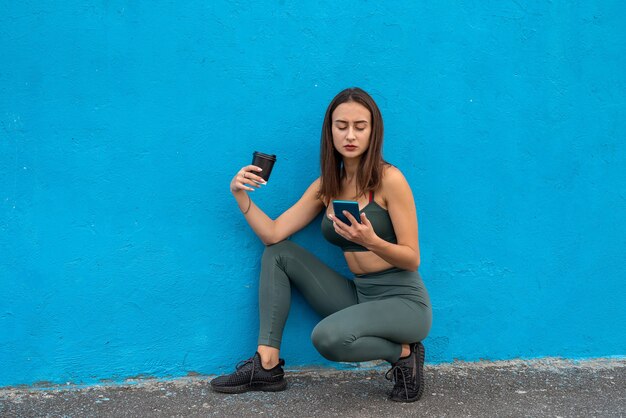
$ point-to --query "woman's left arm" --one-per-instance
(405, 254)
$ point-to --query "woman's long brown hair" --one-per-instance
(370, 171)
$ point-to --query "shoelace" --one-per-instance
(243, 363)
(395, 370)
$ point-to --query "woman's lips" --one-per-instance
(350, 147)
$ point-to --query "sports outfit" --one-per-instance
(366, 318)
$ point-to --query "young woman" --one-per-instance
(384, 311)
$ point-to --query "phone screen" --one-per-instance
(351, 206)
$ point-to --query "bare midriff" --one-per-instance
(365, 262)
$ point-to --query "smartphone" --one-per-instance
(351, 206)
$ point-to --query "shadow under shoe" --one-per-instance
(408, 375)
(250, 375)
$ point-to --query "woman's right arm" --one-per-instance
(292, 220)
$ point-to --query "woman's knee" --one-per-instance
(331, 342)
(284, 247)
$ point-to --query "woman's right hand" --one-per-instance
(245, 178)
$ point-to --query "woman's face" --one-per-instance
(351, 127)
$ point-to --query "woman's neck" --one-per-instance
(350, 166)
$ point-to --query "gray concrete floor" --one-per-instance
(545, 388)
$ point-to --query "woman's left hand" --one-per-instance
(359, 233)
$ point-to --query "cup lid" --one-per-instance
(266, 156)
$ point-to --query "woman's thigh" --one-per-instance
(323, 288)
(398, 320)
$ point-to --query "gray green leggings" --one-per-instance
(367, 318)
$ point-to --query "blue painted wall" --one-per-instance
(122, 252)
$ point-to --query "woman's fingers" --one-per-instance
(253, 168)
(338, 222)
(242, 182)
(341, 227)
(350, 217)
(250, 172)
(338, 229)
(243, 185)
(246, 177)
(355, 232)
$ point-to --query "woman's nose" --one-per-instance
(350, 134)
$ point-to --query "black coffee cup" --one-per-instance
(265, 161)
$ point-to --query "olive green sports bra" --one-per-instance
(378, 217)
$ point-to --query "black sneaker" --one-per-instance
(250, 375)
(408, 375)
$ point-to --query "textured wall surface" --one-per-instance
(122, 252)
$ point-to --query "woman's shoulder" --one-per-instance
(392, 176)
(314, 190)
(316, 185)
(393, 182)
